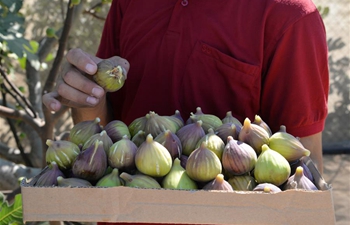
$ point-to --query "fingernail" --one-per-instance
(97, 92)
(90, 68)
(53, 106)
(91, 100)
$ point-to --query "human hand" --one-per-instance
(75, 87)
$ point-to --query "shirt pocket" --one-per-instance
(219, 83)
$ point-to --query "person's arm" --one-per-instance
(100, 110)
(314, 144)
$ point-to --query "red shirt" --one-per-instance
(265, 57)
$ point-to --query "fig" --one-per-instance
(110, 180)
(83, 130)
(152, 158)
(72, 182)
(183, 161)
(49, 175)
(242, 182)
(51, 33)
(299, 181)
(227, 129)
(213, 143)
(171, 142)
(103, 137)
(229, 118)
(287, 145)
(177, 178)
(262, 123)
(109, 75)
(122, 153)
(203, 165)
(208, 120)
(238, 157)
(254, 135)
(116, 129)
(306, 169)
(139, 138)
(219, 183)
(271, 167)
(62, 152)
(267, 187)
(189, 136)
(139, 180)
(91, 164)
(152, 123)
(177, 119)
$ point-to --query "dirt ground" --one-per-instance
(337, 173)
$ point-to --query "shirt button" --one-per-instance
(206, 49)
(184, 2)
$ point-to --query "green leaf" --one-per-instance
(49, 57)
(11, 214)
(22, 62)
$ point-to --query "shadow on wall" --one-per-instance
(336, 136)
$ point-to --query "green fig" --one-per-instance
(102, 136)
(122, 154)
(242, 182)
(287, 145)
(139, 138)
(139, 180)
(109, 75)
(72, 182)
(177, 178)
(152, 158)
(229, 118)
(83, 130)
(208, 120)
(152, 123)
(110, 180)
(62, 152)
(213, 142)
(203, 165)
(271, 167)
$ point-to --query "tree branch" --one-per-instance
(11, 154)
(35, 123)
(11, 172)
(19, 94)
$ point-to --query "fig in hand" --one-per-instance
(110, 75)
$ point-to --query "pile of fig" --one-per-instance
(165, 151)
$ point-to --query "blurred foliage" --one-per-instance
(41, 16)
(13, 44)
(50, 14)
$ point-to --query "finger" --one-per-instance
(51, 102)
(82, 60)
(76, 97)
(76, 80)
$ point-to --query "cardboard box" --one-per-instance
(132, 205)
